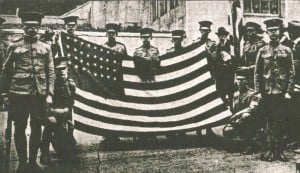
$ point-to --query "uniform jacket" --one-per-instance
(274, 70)
(30, 64)
(119, 47)
(146, 62)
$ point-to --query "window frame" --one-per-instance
(263, 14)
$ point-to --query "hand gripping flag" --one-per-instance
(112, 99)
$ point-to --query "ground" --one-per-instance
(190, 154)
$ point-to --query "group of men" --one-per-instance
(37, 74)
(36, 84)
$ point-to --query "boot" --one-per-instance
(268, 156)
(248, 150)
(22, 168)
(33, 167)
(280, 156)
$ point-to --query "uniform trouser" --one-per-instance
(274, 108)
(46, 139)
(21, 106)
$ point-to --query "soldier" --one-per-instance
(204, 30)
(224, 69)
(71, 24)
(274, 81)
(30, 64)
(111, 33)
(112, 30)
(146, 57)
(251, 46)
(177, 38)
(61, 115)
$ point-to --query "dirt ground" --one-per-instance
(184, 155)
(162, 156)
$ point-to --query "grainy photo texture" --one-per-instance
(108, 86)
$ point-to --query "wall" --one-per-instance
(173, 19)
(120, 11)
(12, 19)
(216, 11)
(83, 11)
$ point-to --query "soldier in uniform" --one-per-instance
(251, 46)
(71, 24)
(61, 114)
(112, 30)
(30, 65)
(146, 57)
(274, 81)
(177, 38)
(204, 30)
(111, 43)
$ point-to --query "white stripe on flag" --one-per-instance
(140, 118)
(183, 57)
(140, 106)
(112, 127)
(168, 91)
(171, 75)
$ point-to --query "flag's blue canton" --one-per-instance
(102, 65)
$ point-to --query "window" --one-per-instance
(173, 4)
(262, 6)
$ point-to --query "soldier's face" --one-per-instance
(222, 37)
(71, 27)
(62, 73)
(274, 33)
(177, 40)
(251, 33)
(146, 39)
(111, 35)
(31, 29)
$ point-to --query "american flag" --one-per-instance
(182, 98)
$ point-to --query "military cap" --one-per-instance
(2, 20)
(178, 34)
(31, 18)
(252, 26)
(273, 24)
(146, 32)
(294, 24)
(112, 27)
(70, 19)
(222, 31)
(205, 25)
(60, 62)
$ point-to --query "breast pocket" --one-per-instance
(268, 60)
(282, 60)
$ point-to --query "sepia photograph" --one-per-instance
(149, 86)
